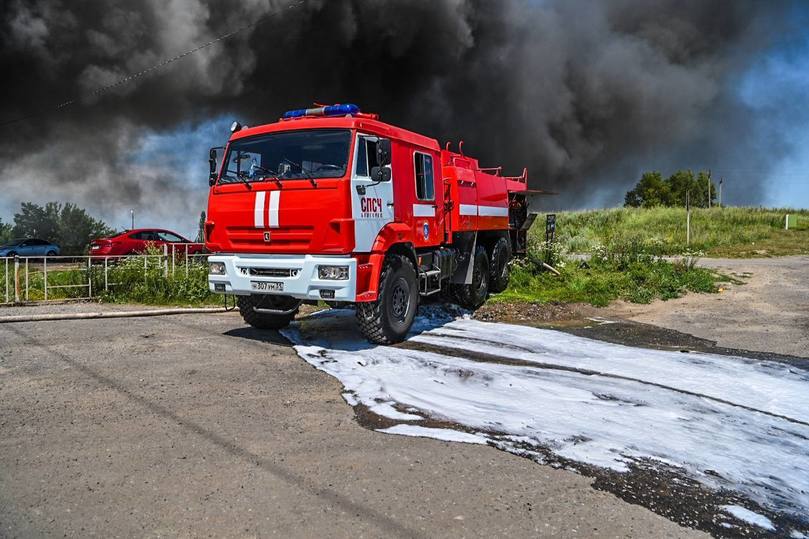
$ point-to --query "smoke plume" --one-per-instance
(584, 93)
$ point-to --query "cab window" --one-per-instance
(366, 156)
(425, 187)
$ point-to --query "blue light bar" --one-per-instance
(332, 110)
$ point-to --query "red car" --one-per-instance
(137, 241)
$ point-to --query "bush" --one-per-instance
(622, 271)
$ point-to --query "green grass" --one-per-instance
(731, 232)
(625, 272)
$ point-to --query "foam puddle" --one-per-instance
(727, 422)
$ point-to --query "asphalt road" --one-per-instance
(194, 425)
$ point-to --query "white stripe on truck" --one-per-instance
(423, 210)
(275, 203)
(258, 209)
(492, 211)
(484, 211)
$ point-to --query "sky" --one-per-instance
(622, 90)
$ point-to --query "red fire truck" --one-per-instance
(332, 204)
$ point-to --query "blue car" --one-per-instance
(29, 247)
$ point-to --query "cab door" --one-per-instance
(371, 201)
(428, 213)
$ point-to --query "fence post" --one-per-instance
(6, 260)
(16, 280)
(45, 276)
(173, 258)
(90, 276)
(786, 223)
(186, 261)
(687, 218)
(106, 275)
(145, 267)
(26, 279)
(165, 261)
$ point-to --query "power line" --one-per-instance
(134, 76)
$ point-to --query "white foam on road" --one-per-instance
(750, 517)
(447, 435)
(593, 402)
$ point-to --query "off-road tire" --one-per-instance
(11, 254)
(471, 296)
(50, 253)
(247, 305)
(499, 265)
(384, 321)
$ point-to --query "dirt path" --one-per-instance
(769, 313)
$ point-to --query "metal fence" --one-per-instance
(48, 278)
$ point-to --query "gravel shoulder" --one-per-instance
(768, 313)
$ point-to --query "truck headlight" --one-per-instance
(216, 268)
(332, 273)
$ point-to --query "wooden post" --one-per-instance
(687, 218)
(786, 222)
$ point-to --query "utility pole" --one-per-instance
(132, 214)
(720, 191)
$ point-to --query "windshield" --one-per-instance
(315, 153)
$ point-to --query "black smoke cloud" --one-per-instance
(584, 93)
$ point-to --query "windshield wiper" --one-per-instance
(242, 176)
(267, 174)
(303, 171)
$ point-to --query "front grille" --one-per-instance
(270, 272)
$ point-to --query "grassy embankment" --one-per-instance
(625, 246)
(716, 232)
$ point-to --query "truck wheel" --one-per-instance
(388, 319)
(472, 296)
(249, 304)
(498, 266)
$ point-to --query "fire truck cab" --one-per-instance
(333, 204)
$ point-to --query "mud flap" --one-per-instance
(466, 243)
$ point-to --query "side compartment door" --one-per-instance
(428, 214)
(371, 202)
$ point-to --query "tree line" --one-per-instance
(654, 190)
(66, 225)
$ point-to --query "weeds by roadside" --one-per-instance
(624, 270)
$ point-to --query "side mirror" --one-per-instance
(380, 174)
(213, 164)
(383, 152)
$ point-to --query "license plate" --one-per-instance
(263, 286)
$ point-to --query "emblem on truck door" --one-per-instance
(266, 237)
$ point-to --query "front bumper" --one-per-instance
(302, 284)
